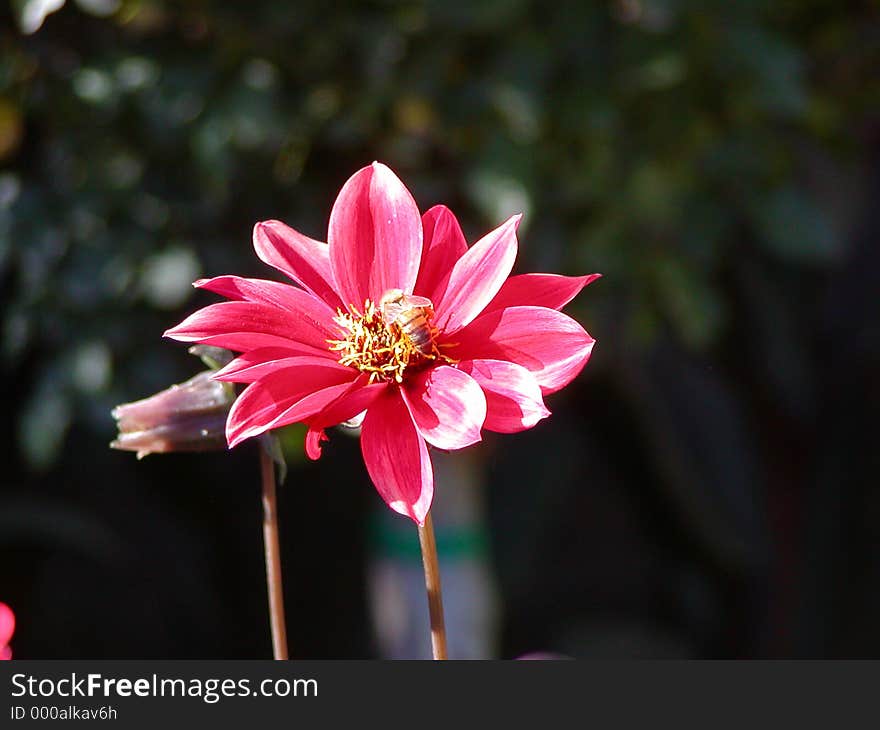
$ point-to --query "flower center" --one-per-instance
(387, 338)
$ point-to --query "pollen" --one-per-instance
(382, 348)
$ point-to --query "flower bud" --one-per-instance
(190, 416)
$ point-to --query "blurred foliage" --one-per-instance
(647, 140)
(706, 157)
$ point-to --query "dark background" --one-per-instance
(706, 488)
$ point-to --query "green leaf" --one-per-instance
(271, 444)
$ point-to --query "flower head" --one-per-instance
(397, 317)
(7, 628)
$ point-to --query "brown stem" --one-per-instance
(432, 583)
(273, 557)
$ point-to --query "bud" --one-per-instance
(190, 416)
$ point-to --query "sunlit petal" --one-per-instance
(513, 396)
(477, 276)
(396, 457)
(447, 405)
(549, 344)
(375, 236)
(303, 259)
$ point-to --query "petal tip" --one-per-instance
(261, 228)
(234, 434)
(540, 416)
(418, 512)
(233, 440)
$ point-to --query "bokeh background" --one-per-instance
(708, 486)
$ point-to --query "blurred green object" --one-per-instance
(712, 474)
(655, 141)
(650, 140)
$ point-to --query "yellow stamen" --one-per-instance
(379, 348)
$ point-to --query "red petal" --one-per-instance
(444, 245)
(358, 398)
(539, 290)
(303, 259)
(263, 291)
(397, 458)
(477, 276)
(248, 325)
(375, 236)
(547, 343)
(256, 364)
(513, 396)
(314, 437)
(284, 397)
(447, 405)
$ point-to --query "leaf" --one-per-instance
(270, 443)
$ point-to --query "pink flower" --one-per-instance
(395, 316)
(7, 628)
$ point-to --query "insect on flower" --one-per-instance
(384, 341)
(398, 318)
(411, 316)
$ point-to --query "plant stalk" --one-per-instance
(432, 584)
(273, 557)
